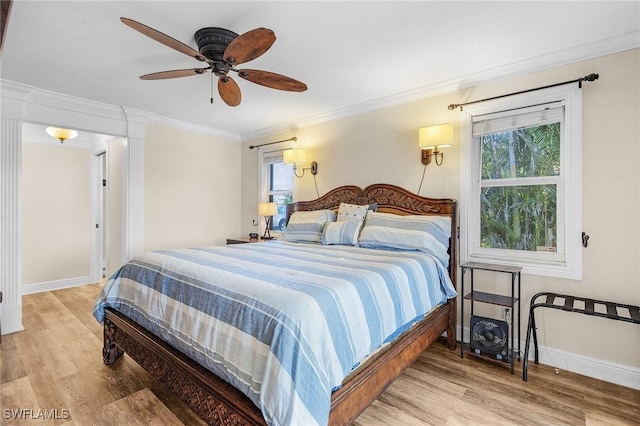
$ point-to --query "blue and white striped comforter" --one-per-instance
(284, 323)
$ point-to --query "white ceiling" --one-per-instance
(352, 55)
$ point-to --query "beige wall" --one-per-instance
(191, 189)
(55, 213)
(382, 146)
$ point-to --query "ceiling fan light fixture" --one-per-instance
(222, 49)
(61, 134)
(213, 41)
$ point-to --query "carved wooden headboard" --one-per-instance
(390, 199)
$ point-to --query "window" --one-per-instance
(277, 183)
(523, 183)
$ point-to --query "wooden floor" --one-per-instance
(55, 365)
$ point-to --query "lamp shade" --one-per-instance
(62, 134)
(267, 209)
(294, 156)
(432, 136)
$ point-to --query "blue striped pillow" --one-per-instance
(317, 216)
(341, 232)
(414, 232)
(310, 232)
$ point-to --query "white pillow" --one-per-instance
(342, 232)
(314, 216)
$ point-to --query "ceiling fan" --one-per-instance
(223, 50)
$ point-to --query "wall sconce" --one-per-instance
(431, 138)
(61, 134)
(267, 210)
(297, 156)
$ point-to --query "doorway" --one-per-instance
(101, 236)
(64, 210)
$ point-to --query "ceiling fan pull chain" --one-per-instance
(212, 85)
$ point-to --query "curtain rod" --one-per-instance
(295, 139)
(590, 77)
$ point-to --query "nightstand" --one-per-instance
(244, 240)
(490, 325)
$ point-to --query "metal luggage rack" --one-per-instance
(614, 311)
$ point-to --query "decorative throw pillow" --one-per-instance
(342, 232)
(414, 232)
(353, 212)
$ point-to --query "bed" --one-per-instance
(327, 384)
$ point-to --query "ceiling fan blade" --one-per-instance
(229, 91)
(249, 46)
(273, 80)
(164, 39)
(173, 74)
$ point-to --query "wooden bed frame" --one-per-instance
(218, 403)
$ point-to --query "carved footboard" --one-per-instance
(212, 399)
(218, 403)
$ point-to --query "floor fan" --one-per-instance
(489, 336)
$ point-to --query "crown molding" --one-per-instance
(562, 57)
(12, 100)
(60, 101)
(45, 98)
(137, 115)
(13, 90)
(196, 128)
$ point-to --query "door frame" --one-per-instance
(99, 204)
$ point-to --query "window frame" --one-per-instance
(265, 195)
(567, 262)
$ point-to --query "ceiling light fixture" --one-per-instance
(62, 134)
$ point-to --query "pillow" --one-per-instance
(310, 232)
(307, 226)
(317, 216)
(342, 232)
(429, 234)
(352, 212)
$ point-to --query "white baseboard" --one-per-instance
(11, 318)
(55, 285)
(619, 374)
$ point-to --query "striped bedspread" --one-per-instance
(282, 322)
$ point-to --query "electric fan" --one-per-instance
(489, 336)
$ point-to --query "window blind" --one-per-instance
(510, 120)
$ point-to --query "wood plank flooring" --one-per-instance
(55, 366)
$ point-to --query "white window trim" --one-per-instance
(264, 160)
(570, 202)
